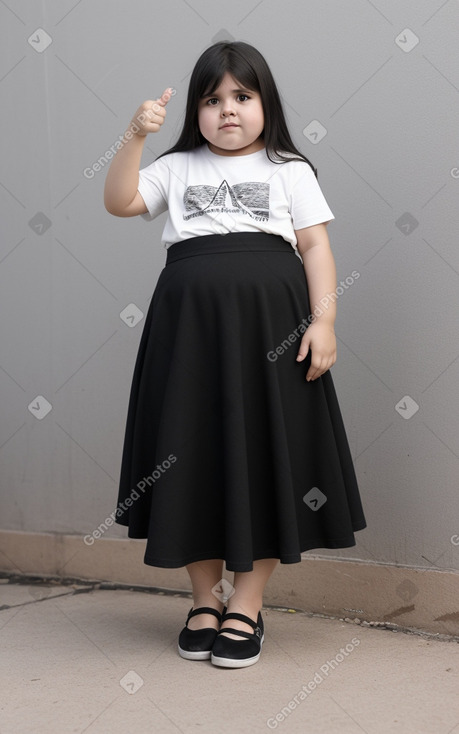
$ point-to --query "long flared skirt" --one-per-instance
(229, 453)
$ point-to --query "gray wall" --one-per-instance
(388, 166)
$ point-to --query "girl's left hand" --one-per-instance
(321, 340)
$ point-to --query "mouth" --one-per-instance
(231, 124)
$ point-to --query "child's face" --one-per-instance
(231, 103)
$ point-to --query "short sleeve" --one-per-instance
(308, 205)
(153, 185)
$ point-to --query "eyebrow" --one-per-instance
(245, 91)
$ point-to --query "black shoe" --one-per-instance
(197, 644)
(229, 653)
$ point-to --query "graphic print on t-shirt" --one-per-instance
(250, 198)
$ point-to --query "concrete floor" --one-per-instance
(80, 659)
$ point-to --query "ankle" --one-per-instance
(207, 601)
(248, 607)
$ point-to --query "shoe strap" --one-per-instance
(242, 633)
(205, 610)
(241, 618)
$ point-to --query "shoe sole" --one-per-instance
(233, 662)
(197, 655)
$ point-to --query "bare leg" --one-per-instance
(204, 575)
(248, 596)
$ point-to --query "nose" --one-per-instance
(227, 107)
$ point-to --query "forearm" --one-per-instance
(122, 177)
(320, 269)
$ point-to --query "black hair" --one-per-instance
(247, 65)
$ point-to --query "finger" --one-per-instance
(315, 370)
(156, 114)
(165, 97)
(302, 351)
(149, 110)
(311, 376)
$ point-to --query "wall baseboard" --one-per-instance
(425, 600)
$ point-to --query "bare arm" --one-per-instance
(121, 197)
(319, 265)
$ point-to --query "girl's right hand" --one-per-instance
(151, 114)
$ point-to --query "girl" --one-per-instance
(235, 448)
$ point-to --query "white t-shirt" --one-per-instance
(207, 193)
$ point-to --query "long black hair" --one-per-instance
(249, 68)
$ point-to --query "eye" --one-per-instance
(215, 99)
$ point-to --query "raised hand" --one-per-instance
(151, 114)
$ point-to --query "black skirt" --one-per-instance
(228, 452)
